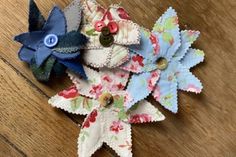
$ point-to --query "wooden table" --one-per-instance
(204, 126)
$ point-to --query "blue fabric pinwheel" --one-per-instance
(168, 51)
(48, 46)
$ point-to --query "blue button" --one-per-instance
(51, 40)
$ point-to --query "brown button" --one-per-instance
(106, 99)
(106, 41)
(162, 63)
(105, 31)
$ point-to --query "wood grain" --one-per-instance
(204, 126)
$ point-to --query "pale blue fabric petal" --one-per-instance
(41, 54)
(145, 48)
(187, 39)
(65, 56)
(192, 58)
(167, 32)
(187, 81)
(140, 86)
(30, 39)
(25, 54)
(166, 89)
(56, 23)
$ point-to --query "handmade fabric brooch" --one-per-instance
(110, 31)
(54, 45)
(103, 98)
(167, 51)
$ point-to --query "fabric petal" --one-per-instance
(144, 112)
(118, 56)
(117, 134)
(93, 36)
(118, 12)
(92, 87)
(71, 42)
(65, 56)
(140, 86)
(30, 39)
(74, 66)
(56, 23)
(166, 91)
(93, 12)
(73, 15)
(25, 54)
(167, 32)
(71, 101)
(187, 39)
(146, 46)
(91, 134)
(128, 34)
(137, 64)
(97, 57)
(192, 58)
(41, 54)
(98, 82)
(36, 19)
(43, 72)
(187, 81)
(113, 80)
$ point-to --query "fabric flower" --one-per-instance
(110, 31)
(167, 51)
(107, 120)
(53, 45)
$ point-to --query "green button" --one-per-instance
(106, 41)
(105, 31)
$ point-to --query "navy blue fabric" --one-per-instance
(41, 54)
(56, 23)
(65, 56)
(74, 66)
(36, 19)
(30, 39)
(25, 54)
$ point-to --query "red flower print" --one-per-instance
(138, 59)
(90, 119)
(155, 43)
(72, 92)
(120, 86)
(107, 78)
(152, 81)
(116, 127)
(123, 14)
(96, 90)
(140, 118)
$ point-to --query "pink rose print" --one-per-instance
(72, 92)
(138, 59)
(107, 78)
(116, 127)
(157, 93)
(140, 118)
(91, 119)
(123, 14)
(152, 81)
(122, 75)
(96, 90)
(193, 88)
(155, 43)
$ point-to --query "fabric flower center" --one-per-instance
(162, 63)
(106, 99)
(50, 40)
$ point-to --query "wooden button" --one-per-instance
(106, 99)
(162, 63)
